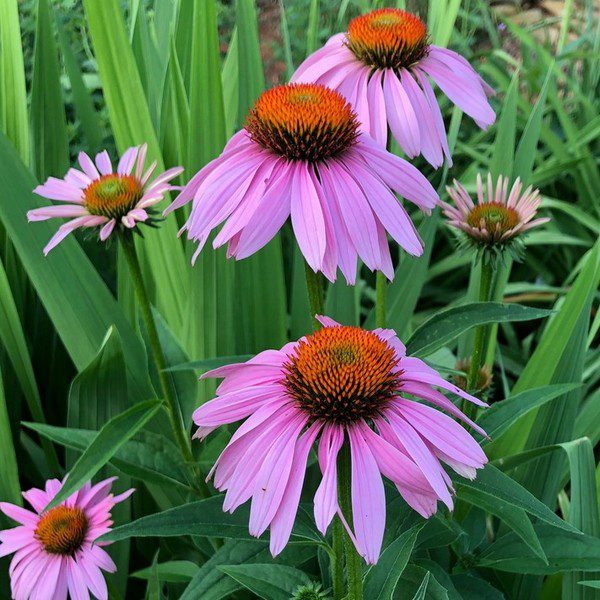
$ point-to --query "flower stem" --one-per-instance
(177, 425)
(353, 559)
(485, 286)
(337, 560)
(316, 294)
(381, 299)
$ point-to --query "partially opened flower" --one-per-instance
(101, 195)
(301, 154)
(498, 218)
(55, 551)
(382, 65)
(340, 385)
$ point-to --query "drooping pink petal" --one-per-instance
(326, 498)
(307, 217)
(401, 115)
(283, 521)
(368, 498)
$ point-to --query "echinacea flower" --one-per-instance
(343, 385)
(382, 65)
(55, 551)
(301, 154)
(498, 217)
(100, 195)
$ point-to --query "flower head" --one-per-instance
(498, 218)
(338, 385)
(55, 551)
(100, 195)
(301, 154)
(382, 65)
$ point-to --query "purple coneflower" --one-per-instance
(341, 385)
(498, 217)
(301, 154)
(99, 195)
(382, 65)
(55, 551)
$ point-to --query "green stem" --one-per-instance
(353, 559)
(177, 425)
(485, 286)
(316, 294)
(337, 560)
(381, 299)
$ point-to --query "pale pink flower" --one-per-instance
(340, 385)
(382, 65)
(55, 551)
(301, 155)
(499, 216)
(100, 195)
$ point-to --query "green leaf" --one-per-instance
(82, 99)
(173, 571)
(504, 143)
(566, 551)
(109, 439)
(411, 581)
(10, 490)
(13, 96)
(268, 581)
(204, 518)
(446, 325)
(551, 360)
(515, 518)
(494, 484)
(48, 122)
(150, 457)
(500, 416)
(13, 339)
(421, 592)
(526, 150)
(210, 363)
(213, 584)
(381, 579)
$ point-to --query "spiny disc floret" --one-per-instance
(494, 217)
(388, 38)
(112, 195)
(62, 530)
(342, 374)
(303, 121)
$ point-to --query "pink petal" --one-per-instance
(283, 521)
(398, 174)
(20, 515)
(355, 212)
(272, 478)
(401, 115)
(88, 166)
(107, 229)
(103, 163)
(326, 497)
(387, 208)
(62, 211)
(368, 498)
(127, 161)
(307, 217)
(376, 100)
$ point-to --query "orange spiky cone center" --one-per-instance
(62, 530)
(112, 195)
(342, 374)
(303, 121)
(493, 216)
(388, 38)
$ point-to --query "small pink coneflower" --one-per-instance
(341, 385)
(55, 551)
(499, 217)
(301, 154)
(99, 195)
(382, 65)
